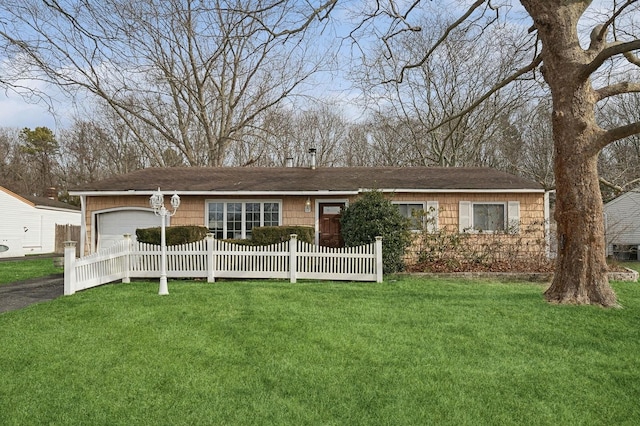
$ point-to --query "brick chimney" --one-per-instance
(52, 193)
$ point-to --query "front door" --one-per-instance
(329, 219)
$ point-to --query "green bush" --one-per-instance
(175, 235)
(266, 235)
(373, 215)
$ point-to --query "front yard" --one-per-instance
(407, 351)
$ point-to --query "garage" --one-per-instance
(113, 225)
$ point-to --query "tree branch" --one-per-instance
(617, 89)
(618, 133)
(613, 49)
(441, 40)
(532, 66)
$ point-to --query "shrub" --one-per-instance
(175, 235)
(513, 250)
(373, 215)
(266, 235)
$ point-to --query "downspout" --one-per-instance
(547, 222)
(83, 224)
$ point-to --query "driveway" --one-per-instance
(24, 293)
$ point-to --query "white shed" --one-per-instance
(28, 224)
(622, 226)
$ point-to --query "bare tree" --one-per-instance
(183, 75)
(568, 68)
(431, 98)
(529, 151)
(619, 162)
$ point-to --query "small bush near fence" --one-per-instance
(267, 235)
(175, 235)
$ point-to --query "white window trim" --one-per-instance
(244, 202)
(511, 213)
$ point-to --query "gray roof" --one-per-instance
(49, 202)
(41, 202)
(297, 179)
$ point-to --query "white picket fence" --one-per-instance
(211, 259)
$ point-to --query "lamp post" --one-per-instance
(157, 203)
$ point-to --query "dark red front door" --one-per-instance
(330, 214)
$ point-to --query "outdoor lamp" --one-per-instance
(175, 201)
(156, 200)
(307, 205)
(157, 204)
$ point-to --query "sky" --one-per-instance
(16, 112)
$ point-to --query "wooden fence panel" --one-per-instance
(66, 233)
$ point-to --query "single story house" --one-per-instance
(622, 226)
(231, 201)
(28, 224)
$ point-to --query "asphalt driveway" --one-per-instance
(24, 293)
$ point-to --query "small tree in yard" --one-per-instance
(373, 215)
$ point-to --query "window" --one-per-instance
(489, 216)
(414, 212)
(236, 219)
(418, 215)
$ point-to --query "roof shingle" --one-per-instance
(295, 179)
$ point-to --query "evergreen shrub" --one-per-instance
(175, 235)
(266, 235)
(373, 215)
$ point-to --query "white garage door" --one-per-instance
(113, 225)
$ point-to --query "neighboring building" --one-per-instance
(622, 226)
(28, 224)
(231, 201)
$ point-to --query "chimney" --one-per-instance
(312, 151)
(289, 162)
(52, 193)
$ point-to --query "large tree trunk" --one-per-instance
(581, 269)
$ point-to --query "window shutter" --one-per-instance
(513, 216)
(432, 216)
(464, 216)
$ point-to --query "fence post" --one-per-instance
(127, 259)
(211, 261)
(378, 259)
(69, 267)
(293, 257)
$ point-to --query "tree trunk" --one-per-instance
(581, 269)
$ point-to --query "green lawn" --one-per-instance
(18, 270)
(631, 265)
(405, 352)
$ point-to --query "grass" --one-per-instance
(405, 352)
(631, 265)
(18, 270)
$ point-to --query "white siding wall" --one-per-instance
(29, 230)
(622, 220)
